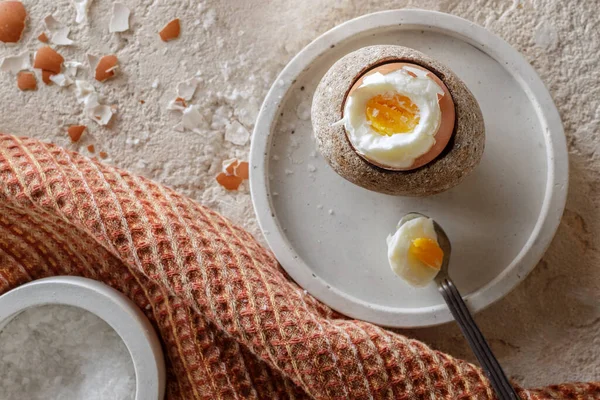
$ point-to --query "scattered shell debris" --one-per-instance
(233, 174)
(186, 89)
(236, 133)
(46, 75)
(12, 21)
(171, 30)
(81, 8)
(48, 59)
(119, 20)
(105, 68)
(15, 64)
(58, 31)
(75, 132)
(43, 37)
(178, 104)
(26, 81)
(87, 95)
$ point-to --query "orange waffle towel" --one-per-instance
(233, 324)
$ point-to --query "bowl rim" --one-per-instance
(110, 305)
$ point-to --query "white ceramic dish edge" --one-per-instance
(554, 197)
(108, 304)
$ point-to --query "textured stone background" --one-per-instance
(545, 331)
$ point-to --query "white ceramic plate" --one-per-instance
(329, 234)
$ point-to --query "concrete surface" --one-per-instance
(545, 331)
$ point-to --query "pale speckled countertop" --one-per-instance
(545, 331)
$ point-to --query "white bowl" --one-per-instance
(108, 304)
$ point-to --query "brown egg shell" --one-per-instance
(26, 81)
(444, 131)
(46, 58)
(171, 31)
(12, 21)
(104, 68)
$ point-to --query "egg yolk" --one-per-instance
(391, 114)
(427, 251)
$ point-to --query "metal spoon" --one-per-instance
(463, 317)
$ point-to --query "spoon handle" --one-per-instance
(479, 345)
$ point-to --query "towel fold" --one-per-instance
(232, 323)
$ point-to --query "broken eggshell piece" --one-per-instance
(15, 64)
(58, 31)
(12, 21)
(119, 20)
(86, 95)
(105, 68)
(81, 9)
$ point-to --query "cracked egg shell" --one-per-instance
(26, 81)
(171, 30)
(12, 21)
(105, 69)
(460, 157)
(48, 59)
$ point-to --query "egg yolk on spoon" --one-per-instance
(392, 114)
(427, 251)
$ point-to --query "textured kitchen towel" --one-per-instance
(232, 322)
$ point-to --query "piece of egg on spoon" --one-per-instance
(399, 116)
(414, 253)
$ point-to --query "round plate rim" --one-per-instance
(554, 196)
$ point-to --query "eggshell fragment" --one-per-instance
(48, 59)
(91, 148)
(178, 104)
(58, 31)
(236, 133)
(192, 119)
(229, 182)
(105, 68)
(46, 75)
(61, 80)
(119, 20)
(12, 21)
(81, 8)
(103, 154)
(242, 170)
(17, 63)
(75, 132)
(26, 81)
(43, 37)
(186, 89)
(228, 166)
(171, 30)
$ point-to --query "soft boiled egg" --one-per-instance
(399, 116)
(414, 253)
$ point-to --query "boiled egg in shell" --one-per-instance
(414, 253)
(399, 116)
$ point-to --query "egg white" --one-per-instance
(405, 265)
(400, 150)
